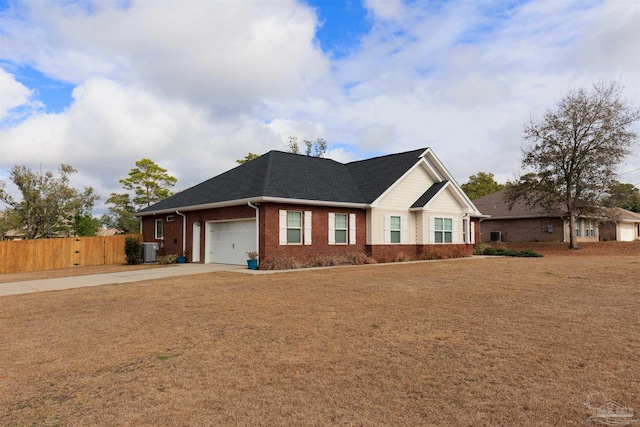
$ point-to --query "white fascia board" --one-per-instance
(458, 190)
(239, 202)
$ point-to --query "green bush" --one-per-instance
(132, 251)
(509, 252)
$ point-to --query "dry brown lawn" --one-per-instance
(498, 341)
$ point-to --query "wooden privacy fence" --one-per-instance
(48, 254)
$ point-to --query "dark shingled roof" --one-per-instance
(429, 194)
(293, 176)
(494, 204)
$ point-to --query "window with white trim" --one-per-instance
(443, 230)
(159, 231)
(589, 229)
(341, 223)
(295, 227)
(395, 229)
(342, 229)
(464, 231)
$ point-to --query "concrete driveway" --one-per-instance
(43, 285)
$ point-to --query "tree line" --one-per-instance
(51, 207)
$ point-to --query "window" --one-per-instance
(443, 229)
(578, 227)
(169, 218)
(395, 228)
(159, 233)
(294, 227)
(341, 228)
(464, 231)
(589, 229)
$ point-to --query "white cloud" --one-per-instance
(14, 95)
(222, 54)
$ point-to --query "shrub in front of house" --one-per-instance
(168, 259)
(279, 263)
(510, 252)
(289, 263)
(443, 252)
(132, 251)
(357, 258)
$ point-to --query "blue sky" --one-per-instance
(194, 85)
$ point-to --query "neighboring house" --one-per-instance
(622, 225)
(523, 223)
(289, 205)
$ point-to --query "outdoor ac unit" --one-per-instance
(496, 236)
(149, 250)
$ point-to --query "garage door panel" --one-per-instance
(626, 232)
(230, 241)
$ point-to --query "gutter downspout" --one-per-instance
(257, 227)
(184, 233)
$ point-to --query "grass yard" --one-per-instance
(497, 341)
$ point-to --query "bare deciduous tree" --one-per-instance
(574, 151)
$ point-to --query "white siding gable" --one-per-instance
(445, 202)
(406, 191)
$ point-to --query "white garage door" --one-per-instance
(229, 242)
(626, 232)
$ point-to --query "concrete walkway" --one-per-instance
(59, 283)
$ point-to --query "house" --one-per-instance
(523, 223)
(621, 225)
(289, 205)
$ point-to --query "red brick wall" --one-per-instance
(522, 230)
(270, 229)
(173, 230)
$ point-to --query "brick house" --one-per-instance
(523, 223)
(621, 225)
(290, 205)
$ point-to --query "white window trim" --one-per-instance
(350, 230)
(305, 230)
(432, 230)
(472, 232)
(464, 230)
(155, 231)
(404, 234)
